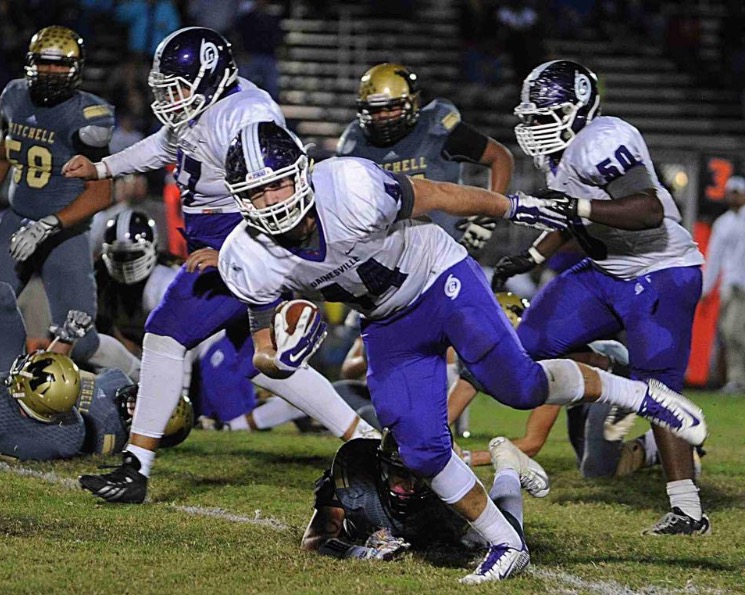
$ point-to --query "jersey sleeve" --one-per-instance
(348, 140)
(243, 274)
(615, 149)
(444, 116)
(153, 152)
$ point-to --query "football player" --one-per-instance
(369, 495)
(202, 104)
(347, 232)
(45, 121)
(394, 131)
(643, 274)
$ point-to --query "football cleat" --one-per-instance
(618, 423)
(500, 562)
(672, 411)
(505, 455)
(676, 522)
(124, 484)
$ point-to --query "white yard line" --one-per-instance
(573, 584)
(219, 513)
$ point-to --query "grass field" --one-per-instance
(227, 511)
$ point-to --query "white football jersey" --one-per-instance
(365, 258)
(199, 149)
(603, 152)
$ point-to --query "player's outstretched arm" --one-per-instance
(466, 201)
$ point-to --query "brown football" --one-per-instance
(291, 312)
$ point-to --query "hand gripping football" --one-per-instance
(291, 312)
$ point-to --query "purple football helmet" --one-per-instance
(191, 69)
(265, 153)
(558, 99)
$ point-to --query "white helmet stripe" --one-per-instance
(252, 148)
(122, 224)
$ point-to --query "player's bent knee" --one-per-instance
(424, 461)
(565, 382)
(454, 481)
(7, 297)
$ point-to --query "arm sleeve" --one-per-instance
(465, 143)
(407, 197)
(634, 180)
(261, 317)
(153, 152)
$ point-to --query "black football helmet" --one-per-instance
(54, 46)
(401, 492)
(265, 153)
(130, 244)
(558, 99)
(191, 69)
(387, 87)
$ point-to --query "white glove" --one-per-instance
(540, 213)
(476, 231)
(76, 325)
(26, 240)
(385, 545)
(294, 350)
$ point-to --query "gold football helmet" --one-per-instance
(387, 103)
(50, 47)
(45, 384)
(513, 306)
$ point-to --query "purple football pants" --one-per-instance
(407, 368)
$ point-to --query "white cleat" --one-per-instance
(533, 477)
(672, 411)
(500, 562)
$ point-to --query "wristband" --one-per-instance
(102, 170)
(535, 255)
(584, 208)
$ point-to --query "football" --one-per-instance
(291, 312)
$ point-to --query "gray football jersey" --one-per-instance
(39, 141)
(104, 432)
(418, 154)
(27, 439)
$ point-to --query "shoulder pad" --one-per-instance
(443, 116)
(349, 139)
(95, 136)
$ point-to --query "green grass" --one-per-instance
(584, 537)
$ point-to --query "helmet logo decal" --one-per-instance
(209, 55)
(582, 88)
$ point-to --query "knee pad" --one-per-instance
(565, 382)
(163, 345)
(454, 481)
(86, 346)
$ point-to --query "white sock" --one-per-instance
(145, 456)
(160, 384)
(625, 393)
(239, 423)
(113, 354)
(273, 413)
(310, 392)
(650, 448)
(493, 527)
(684, 494)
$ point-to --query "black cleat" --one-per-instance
(676, 522)
(124, 484)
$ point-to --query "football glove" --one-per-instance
(540, 213)
(476, 231)
(509, 266)
(75, 326)
(295, 349)
(27, 239)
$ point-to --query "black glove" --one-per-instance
(509, 266)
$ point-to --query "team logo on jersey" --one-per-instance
(208, 55)
(452, 287)
(582, 87)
